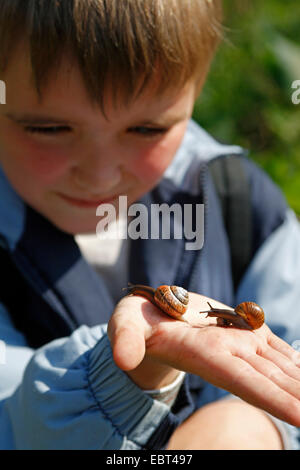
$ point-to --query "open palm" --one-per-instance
(255, 365)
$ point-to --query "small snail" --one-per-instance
(172, 300)
(246, 315)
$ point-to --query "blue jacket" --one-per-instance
(59, 387)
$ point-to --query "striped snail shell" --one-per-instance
(172, 300)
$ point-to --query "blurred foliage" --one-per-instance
(247, 99)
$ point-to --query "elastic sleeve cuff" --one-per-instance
(135, 415)
(183, 407)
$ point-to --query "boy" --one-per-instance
(74, 136)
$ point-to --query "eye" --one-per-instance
(148, 131)
(47, 130)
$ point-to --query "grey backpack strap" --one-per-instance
(233, 189)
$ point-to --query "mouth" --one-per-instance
(86, 203)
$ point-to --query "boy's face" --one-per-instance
(64, 158)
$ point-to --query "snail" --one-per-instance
(172, 300)
(247, 315)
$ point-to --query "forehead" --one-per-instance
(65, 91)
(58, 87)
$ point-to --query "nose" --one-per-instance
(96, 177)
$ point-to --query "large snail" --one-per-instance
(246, 315)
(173, 301)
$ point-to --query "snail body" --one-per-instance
(247, 315)
(172, 300)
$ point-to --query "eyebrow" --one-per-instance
(37, 119)
(164, 121)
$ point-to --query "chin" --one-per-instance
(75, 227)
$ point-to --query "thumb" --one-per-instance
(126, 332)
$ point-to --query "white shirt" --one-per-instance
(108, 254)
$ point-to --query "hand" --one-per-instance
(255, 365)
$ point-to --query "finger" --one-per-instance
(284, 348)
(266, 394)
(128, 346)
(269, 369)
(282, 361)
(129, 328)
(127, 331)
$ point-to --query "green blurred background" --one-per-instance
(247, 99)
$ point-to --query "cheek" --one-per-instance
(153, 161)
(44, 166)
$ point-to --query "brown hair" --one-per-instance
(115, 42)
